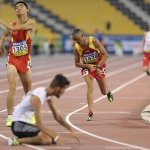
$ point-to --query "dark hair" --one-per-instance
(76, 31)
(22, 3)
(59, 81)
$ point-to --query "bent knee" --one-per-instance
(45, 139)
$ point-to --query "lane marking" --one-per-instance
(44, 72)
(58, 147)
(100, 137)
(67, 68)
(73, 74)
(34, 147)
(40, 66)
(77, 85)
(118, 148)
(56, 132)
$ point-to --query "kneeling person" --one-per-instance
(31, 103)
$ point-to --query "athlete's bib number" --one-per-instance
(91, 57)
(20, 48)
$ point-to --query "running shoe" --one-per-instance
(146, 116)
(148, 73)
(8, 122)
(12, 142)
(110, 97)
(32, 119)
(90, 116)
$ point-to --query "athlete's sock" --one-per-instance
(90, 111)
(9, 115)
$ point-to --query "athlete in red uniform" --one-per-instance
(145, 49)
(22, 32)
(93, 56)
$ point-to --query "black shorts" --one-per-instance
(23, 129)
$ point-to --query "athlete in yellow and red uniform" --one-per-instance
(22, 32)
(93, 56)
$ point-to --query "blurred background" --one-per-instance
(119, 24)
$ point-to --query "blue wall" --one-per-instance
(115, 44)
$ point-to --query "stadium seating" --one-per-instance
(92, 14)
(8, 15)
(147, 1)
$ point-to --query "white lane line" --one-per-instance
(40, 66)
(44, 81)
(101, 112)
(73, 74)
(60, 69)
(56, 132)
(77, 85)
(58, 147)
(118, 148)
(34, 147)
(99, 137)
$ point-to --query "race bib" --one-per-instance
(90, 57)
(20, 48)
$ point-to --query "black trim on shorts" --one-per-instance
(23, 129)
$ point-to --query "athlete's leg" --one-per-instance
(26, 80)
(146, 63)
(104, 88)
(12, 81)
(90, 89)
(146, 69)
(41, 138)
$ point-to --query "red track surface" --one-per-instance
(116, 126)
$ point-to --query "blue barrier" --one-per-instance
(115, 44)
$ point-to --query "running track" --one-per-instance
(116, 126)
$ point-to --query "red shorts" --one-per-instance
(94, 74)
(22, 63)
(146, 59)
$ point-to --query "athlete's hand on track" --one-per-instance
(75, 136)
(60, 142)
(1, 50)
(92, 67)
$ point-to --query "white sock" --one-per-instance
(10, 116)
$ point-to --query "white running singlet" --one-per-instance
(24, 109)
(147, 43)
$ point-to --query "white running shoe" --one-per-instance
(9, 141)
(12, 142)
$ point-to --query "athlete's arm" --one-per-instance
(26, 26)
(143, 42)
(3, 39)
(36, 103)
(58, 118)
(77, 61)
(102, 50)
